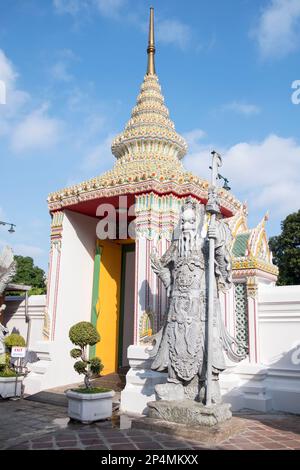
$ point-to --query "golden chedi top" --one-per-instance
(149, 138)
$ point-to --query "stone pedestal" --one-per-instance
(204, 435)
(190, 420)
(189, 412)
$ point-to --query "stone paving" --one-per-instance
(28, 425)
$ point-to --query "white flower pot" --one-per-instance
(8, 386)
(89, 407)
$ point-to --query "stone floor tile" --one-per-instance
(89, 442)
(292, 444)
(47, 426)
(148, 446)
(96, 447)
(123, 447)
(274, 446)
(20, 447)
(116, 440)
(44, 445)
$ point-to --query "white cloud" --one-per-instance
(15, 98)
(110, 8)
(36, 131)
(71, 7)
(60, 70)
(278, 30)
(193, 137)
(245, 109)
(27, 250)
(7, 71)
(266, 173)
(168, 31)
(174, 32)
(99, 155)
(25, 129)
(94, 124)
(22, 248)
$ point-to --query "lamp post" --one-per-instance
(11, 228)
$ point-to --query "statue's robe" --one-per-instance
(180, 345)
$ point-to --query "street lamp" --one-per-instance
(11, 228)
(226, 181)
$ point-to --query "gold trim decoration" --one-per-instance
(252, 287)
(252, 263)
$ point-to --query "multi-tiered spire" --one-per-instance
(150, 134)
(148, 151)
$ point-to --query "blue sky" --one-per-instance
(73, 69)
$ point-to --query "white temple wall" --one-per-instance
(279, 324)
(71, 285)
(271, 383)
(279, 338)
(274, 381)
(52, 284)
(15, 321)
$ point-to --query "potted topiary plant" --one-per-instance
(10, 384)
(87, 404)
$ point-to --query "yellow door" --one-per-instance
(108, 305)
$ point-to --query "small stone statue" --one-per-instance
(8, 267)
(7, 272)
(181, 345)
(3, 333)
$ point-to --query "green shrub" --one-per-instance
(4, 361)
(91, 390)
(96, 365)
(14, 340)
(6, 369)
(80, 366)
(75, 353)
(7, 373)
(84, 334)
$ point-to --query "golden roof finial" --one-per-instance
(151, 45)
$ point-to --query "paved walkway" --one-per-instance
(26, 424)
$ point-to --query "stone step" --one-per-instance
(115, 381)
(58, 399)
(56, 396)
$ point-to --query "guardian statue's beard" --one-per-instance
(187, 243)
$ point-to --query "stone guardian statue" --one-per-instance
(181, 345)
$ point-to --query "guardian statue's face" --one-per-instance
(188, 221)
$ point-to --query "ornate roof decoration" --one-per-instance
(238, 223)
(250, 247)
(240, 246)
(148, 153)
(258, 243)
